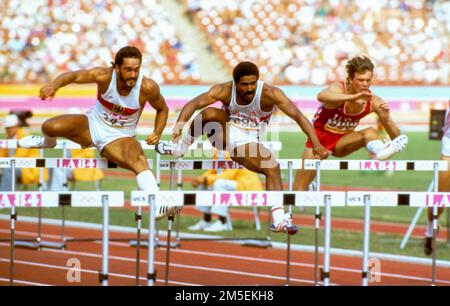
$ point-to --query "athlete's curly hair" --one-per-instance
(126, 52)
(358, 64)
(244, 69)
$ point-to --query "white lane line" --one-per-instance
(32, 234)
(298, 264)
(41, 265)
(191, 267)
(17, 281)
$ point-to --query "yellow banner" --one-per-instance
(32, 90)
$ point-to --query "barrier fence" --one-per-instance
(255, 199)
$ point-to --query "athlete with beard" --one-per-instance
(248, 104)
(122, 92)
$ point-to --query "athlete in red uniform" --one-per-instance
(342, 106)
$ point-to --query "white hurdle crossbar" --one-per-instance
(104, 199)
(209, 164)
(62, 163)
(236, 199)
(392, 199)
(67, 144)
(375, 165)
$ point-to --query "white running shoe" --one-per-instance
(285, 226)
(393, 147)
(165, 148)
(35, 142)
(217, 226)
(200, 225)
(165, 210)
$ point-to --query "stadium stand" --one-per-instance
(308, 41)
(43, 38)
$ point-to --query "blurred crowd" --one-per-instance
(308, 41)
(293, 41)
(41, 38)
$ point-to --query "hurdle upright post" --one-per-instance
(40, 188)
(63, 207)
(179, 187)
(138, 218)
(288, 250)
(366, 240)
(316, 228)
(435, 225)
(327, 242)
(105, 240)
(169, 225)
(414, 220)
(13, 225)
(151, 275)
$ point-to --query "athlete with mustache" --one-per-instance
(110, 126)
(248, 104)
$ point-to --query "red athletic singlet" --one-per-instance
(331, 124)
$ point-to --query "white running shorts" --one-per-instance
(239, 136)
(102, 134)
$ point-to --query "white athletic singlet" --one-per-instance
(123, 111)
(114, 116)
(248, 117)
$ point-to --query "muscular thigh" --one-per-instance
(254, 157)
(127, 153)
(214, 123)
(72, 127)
(304, 177)
(349, 143)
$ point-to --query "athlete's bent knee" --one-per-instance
(50, 128)
(370, 134)
(138, 164)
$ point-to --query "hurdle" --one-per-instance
(374, 165)
(104, 199)
(207, 164)
(234, 198)
(414, 220)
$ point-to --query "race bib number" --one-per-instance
(114, 119)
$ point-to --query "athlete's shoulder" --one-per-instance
(336, 87)
(149, 87)
(271, 92)
(375, 102)
(221, 91)
(101, 72)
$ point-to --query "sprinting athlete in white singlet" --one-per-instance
(248, 104)
(122, 92)
(444, 183)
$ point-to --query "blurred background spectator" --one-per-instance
(308, 41)
(304, 42)
(41, 38)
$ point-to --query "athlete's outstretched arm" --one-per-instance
(382, 110)
(287, 107)
(214, 94)
(158, 102)
(92, 75)
(335, 94)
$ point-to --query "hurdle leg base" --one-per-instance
(257, 243)
(26, 244)
(173, 244)
(52, 245)
(158, 244)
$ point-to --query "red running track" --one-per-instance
(195, 263)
